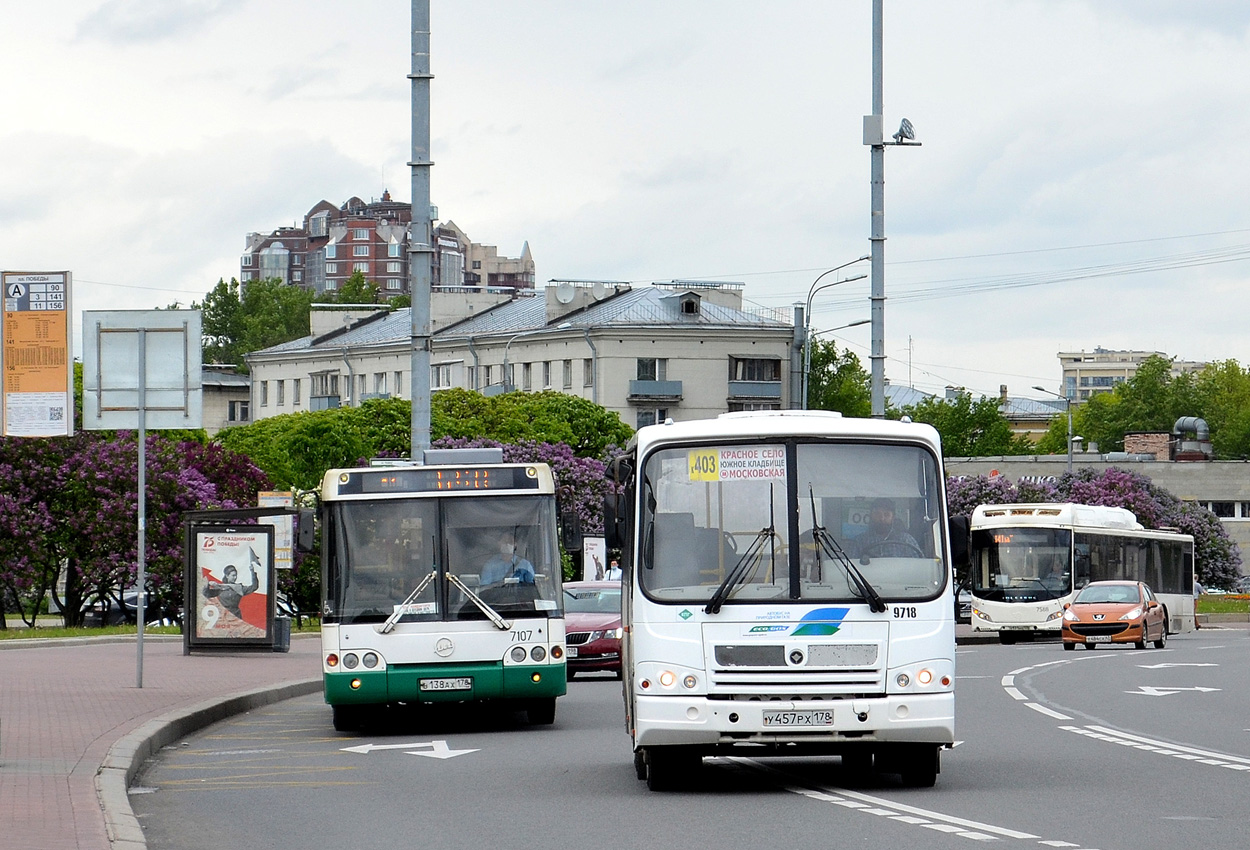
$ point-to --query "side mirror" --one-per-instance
(1067, 605)
(307, 530)
(960, 529)
(612, 521)
(570, 531)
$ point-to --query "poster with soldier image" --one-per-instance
(233, 585)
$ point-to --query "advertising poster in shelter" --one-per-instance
(233, 579)
(594, 559)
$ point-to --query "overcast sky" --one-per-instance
(1083, 178)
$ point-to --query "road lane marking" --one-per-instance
(1047, 711)
(1195, 754)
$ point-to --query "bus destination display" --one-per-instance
(440, 479)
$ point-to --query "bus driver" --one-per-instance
(506, 563)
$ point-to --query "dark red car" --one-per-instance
(592, 626)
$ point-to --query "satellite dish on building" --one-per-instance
(565, 292)
(598, 290)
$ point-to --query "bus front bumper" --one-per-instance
(429, 683)
(677, 720)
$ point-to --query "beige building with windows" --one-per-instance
(683, 350)
(1087, 373)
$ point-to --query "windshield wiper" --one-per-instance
(400, 609)
(500, 623)
(747, 564)
(824, 542)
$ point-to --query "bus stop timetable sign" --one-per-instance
(38, 370)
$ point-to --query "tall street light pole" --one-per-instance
(1067, 404)
(874, 135)
(420, 233)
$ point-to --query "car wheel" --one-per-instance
(1006, 638)
(1163, 636)
(1145, 634)
(640, 764)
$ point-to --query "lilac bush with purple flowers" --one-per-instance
(69, 515)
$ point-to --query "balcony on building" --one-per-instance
(642, 390)
(754, 390)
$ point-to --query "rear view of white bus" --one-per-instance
(788, 592)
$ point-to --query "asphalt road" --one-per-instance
(1117, 748)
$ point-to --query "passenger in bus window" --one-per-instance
(507, 563)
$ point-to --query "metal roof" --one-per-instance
(643, 307)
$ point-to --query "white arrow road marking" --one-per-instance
(1147, 690)
(439, 749)
(1175, 664)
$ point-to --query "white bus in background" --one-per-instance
(766, 613)
(1029, 560)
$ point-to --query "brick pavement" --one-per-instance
(69, 706)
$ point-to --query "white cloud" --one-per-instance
(651, 141)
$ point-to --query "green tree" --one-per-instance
(1224, 390)
(969, 428)
(354, 290)
(237, 319)
(296, 449)
(1152, 400)
(837, 381)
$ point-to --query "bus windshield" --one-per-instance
(499, 548)
(1021, 564)
(817, 521)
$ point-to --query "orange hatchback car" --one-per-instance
(1114, 612)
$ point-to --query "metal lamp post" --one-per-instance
(507, 384)
(1067, 404)
(807, 316)
(807, 366)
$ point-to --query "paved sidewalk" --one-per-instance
(74, 727)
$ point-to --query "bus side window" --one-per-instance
(1082, 566)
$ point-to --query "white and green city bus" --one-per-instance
(773, 606)
(1029, 561)
(441, 583)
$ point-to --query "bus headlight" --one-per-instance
(925, 676)
(370, 660)
(350, 660)
(517, 654)
(538, 653)
(977, 612)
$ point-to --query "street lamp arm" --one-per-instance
(812, 290)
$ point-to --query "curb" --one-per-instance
(128, 754)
